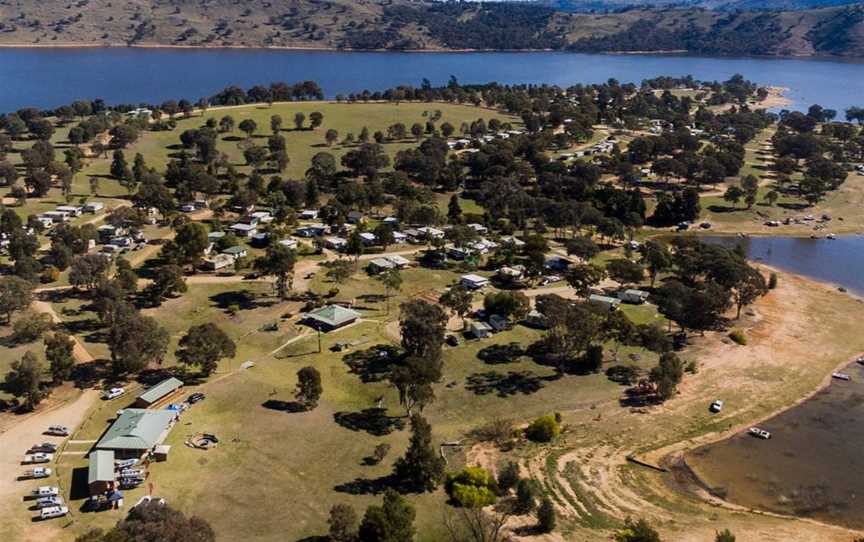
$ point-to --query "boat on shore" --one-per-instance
(841, 376)
(860, 360)
(759, 433)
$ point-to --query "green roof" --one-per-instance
(333, 315)
(136, 429)
(160, 390)
(101, 467)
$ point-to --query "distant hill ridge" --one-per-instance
(426, 25)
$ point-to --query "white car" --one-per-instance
(47, 502)
(46, 491)
(113, 393)
(58, 430)
(53, 512)
(39, 472)
(717, 405)
(30, 459)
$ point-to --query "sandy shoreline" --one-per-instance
(674, 456)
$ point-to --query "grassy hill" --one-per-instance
(426, 25)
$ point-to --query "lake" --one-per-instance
(46, 77)
(813, 465)
(839, 261)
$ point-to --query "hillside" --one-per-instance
(418, 25)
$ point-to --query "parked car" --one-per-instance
(46, 491)
(30, 459)
(112, 393)
(46, 447)
(58, 430)
(195, 397)
(132, 473)
(717, 405)
(46, 502)
(53, 512)
(38, 472)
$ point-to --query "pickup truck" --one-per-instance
(30, 459)
(38, 472)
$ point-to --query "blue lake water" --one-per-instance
(839, 261)
(45, 78)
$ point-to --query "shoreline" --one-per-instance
(427, 50)
(674, 456)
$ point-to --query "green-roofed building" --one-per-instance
(100, 472)
(331, 317)
(158, 393)
(136, 431)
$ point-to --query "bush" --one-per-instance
(772, 281)
(546, 516)
(738, 337)
(380, 452)
(525, 501)
(472, 487)
(508, 478)
(623, 374)
(543, 429)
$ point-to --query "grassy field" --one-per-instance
(271, 456)
(304, 144)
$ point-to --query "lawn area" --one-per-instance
(304, 144)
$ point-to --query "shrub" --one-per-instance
(546, 516)
(638, 531)
(738, 337)
(508, 478)
(772, 281)
(380, 452)
(543, 429)
(472, 487)
(50, 274)
(623, 374)
(525, 501)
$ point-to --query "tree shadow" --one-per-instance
(501, 353)
(368, 486)
(793, 206)
(505, 384)
(638, 396)
(89, 374)
(314, 538)
(243, 299)
(374, 421)
(724, 209)
(284, 406)
(373, 364)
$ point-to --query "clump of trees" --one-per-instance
(159, 522)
